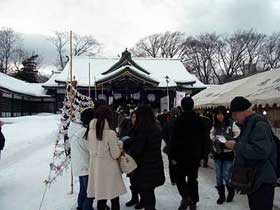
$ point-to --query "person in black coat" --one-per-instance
(207, 144)
(186, 151)
(167, 132)
(145, 148)
(126, 131)
(2, 139)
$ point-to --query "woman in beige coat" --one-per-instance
(105, 178)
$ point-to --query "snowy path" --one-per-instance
(24, 166)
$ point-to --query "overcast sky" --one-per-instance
(120, 23)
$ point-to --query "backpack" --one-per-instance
(277, 143)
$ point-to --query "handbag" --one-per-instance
(127, 163)
(242, 179)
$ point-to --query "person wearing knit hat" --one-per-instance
(255, 148)
(239, 103)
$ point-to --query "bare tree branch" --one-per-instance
(8, 45)
(60, 40)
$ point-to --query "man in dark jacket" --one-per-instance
(186, 148)
(255, 147)
(2, 139)
(207, 143)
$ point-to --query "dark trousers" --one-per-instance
(189, 188)
(171, 171)
(84, 203)
(149, 199)
(263, 198)
(205, 161)
(115, 204)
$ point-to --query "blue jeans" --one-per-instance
(223, 168)
(84, 203)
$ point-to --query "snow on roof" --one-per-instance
(158, 69)
(52, 80)
(19, 86)
(262, 88)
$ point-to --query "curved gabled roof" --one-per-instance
(157, 69)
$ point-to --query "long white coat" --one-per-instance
(105, 177)
(79, 149)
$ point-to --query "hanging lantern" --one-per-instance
(151, 97)
(102, 96)
(136, 96)
(117, 96)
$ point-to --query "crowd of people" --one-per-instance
(240, 139)
(241, 142)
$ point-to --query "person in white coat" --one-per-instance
(77, 132)
(105, 177)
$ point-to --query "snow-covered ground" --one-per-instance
(25, 165)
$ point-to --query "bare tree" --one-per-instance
(19, 56)
(271, 52)
(254, 42)
(149, 46)
(85, 45)
(8, 44)
(172, 44)
(167, 45)
(60, 40)
(200, 56)
(231, 56)
(82, 45)
(193, 60)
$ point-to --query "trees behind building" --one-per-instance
(9, 46)
(82, 45)
(215, 58)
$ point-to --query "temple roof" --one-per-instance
(150, 69)
(14, 85)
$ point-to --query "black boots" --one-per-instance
(139, 205)
(185, 203)
(134, 200)
(193, 206)
(222, 197)
(231, 193)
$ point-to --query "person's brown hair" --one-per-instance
(103, 113)
(145, 117)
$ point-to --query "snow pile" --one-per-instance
(19, 86)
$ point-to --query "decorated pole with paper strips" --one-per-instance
(71, 103)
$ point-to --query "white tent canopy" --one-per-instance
(260, 89)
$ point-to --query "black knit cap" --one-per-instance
(187, 103)
(239, 104)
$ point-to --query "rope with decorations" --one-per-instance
(74, 102)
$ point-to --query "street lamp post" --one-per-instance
(167, 92)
